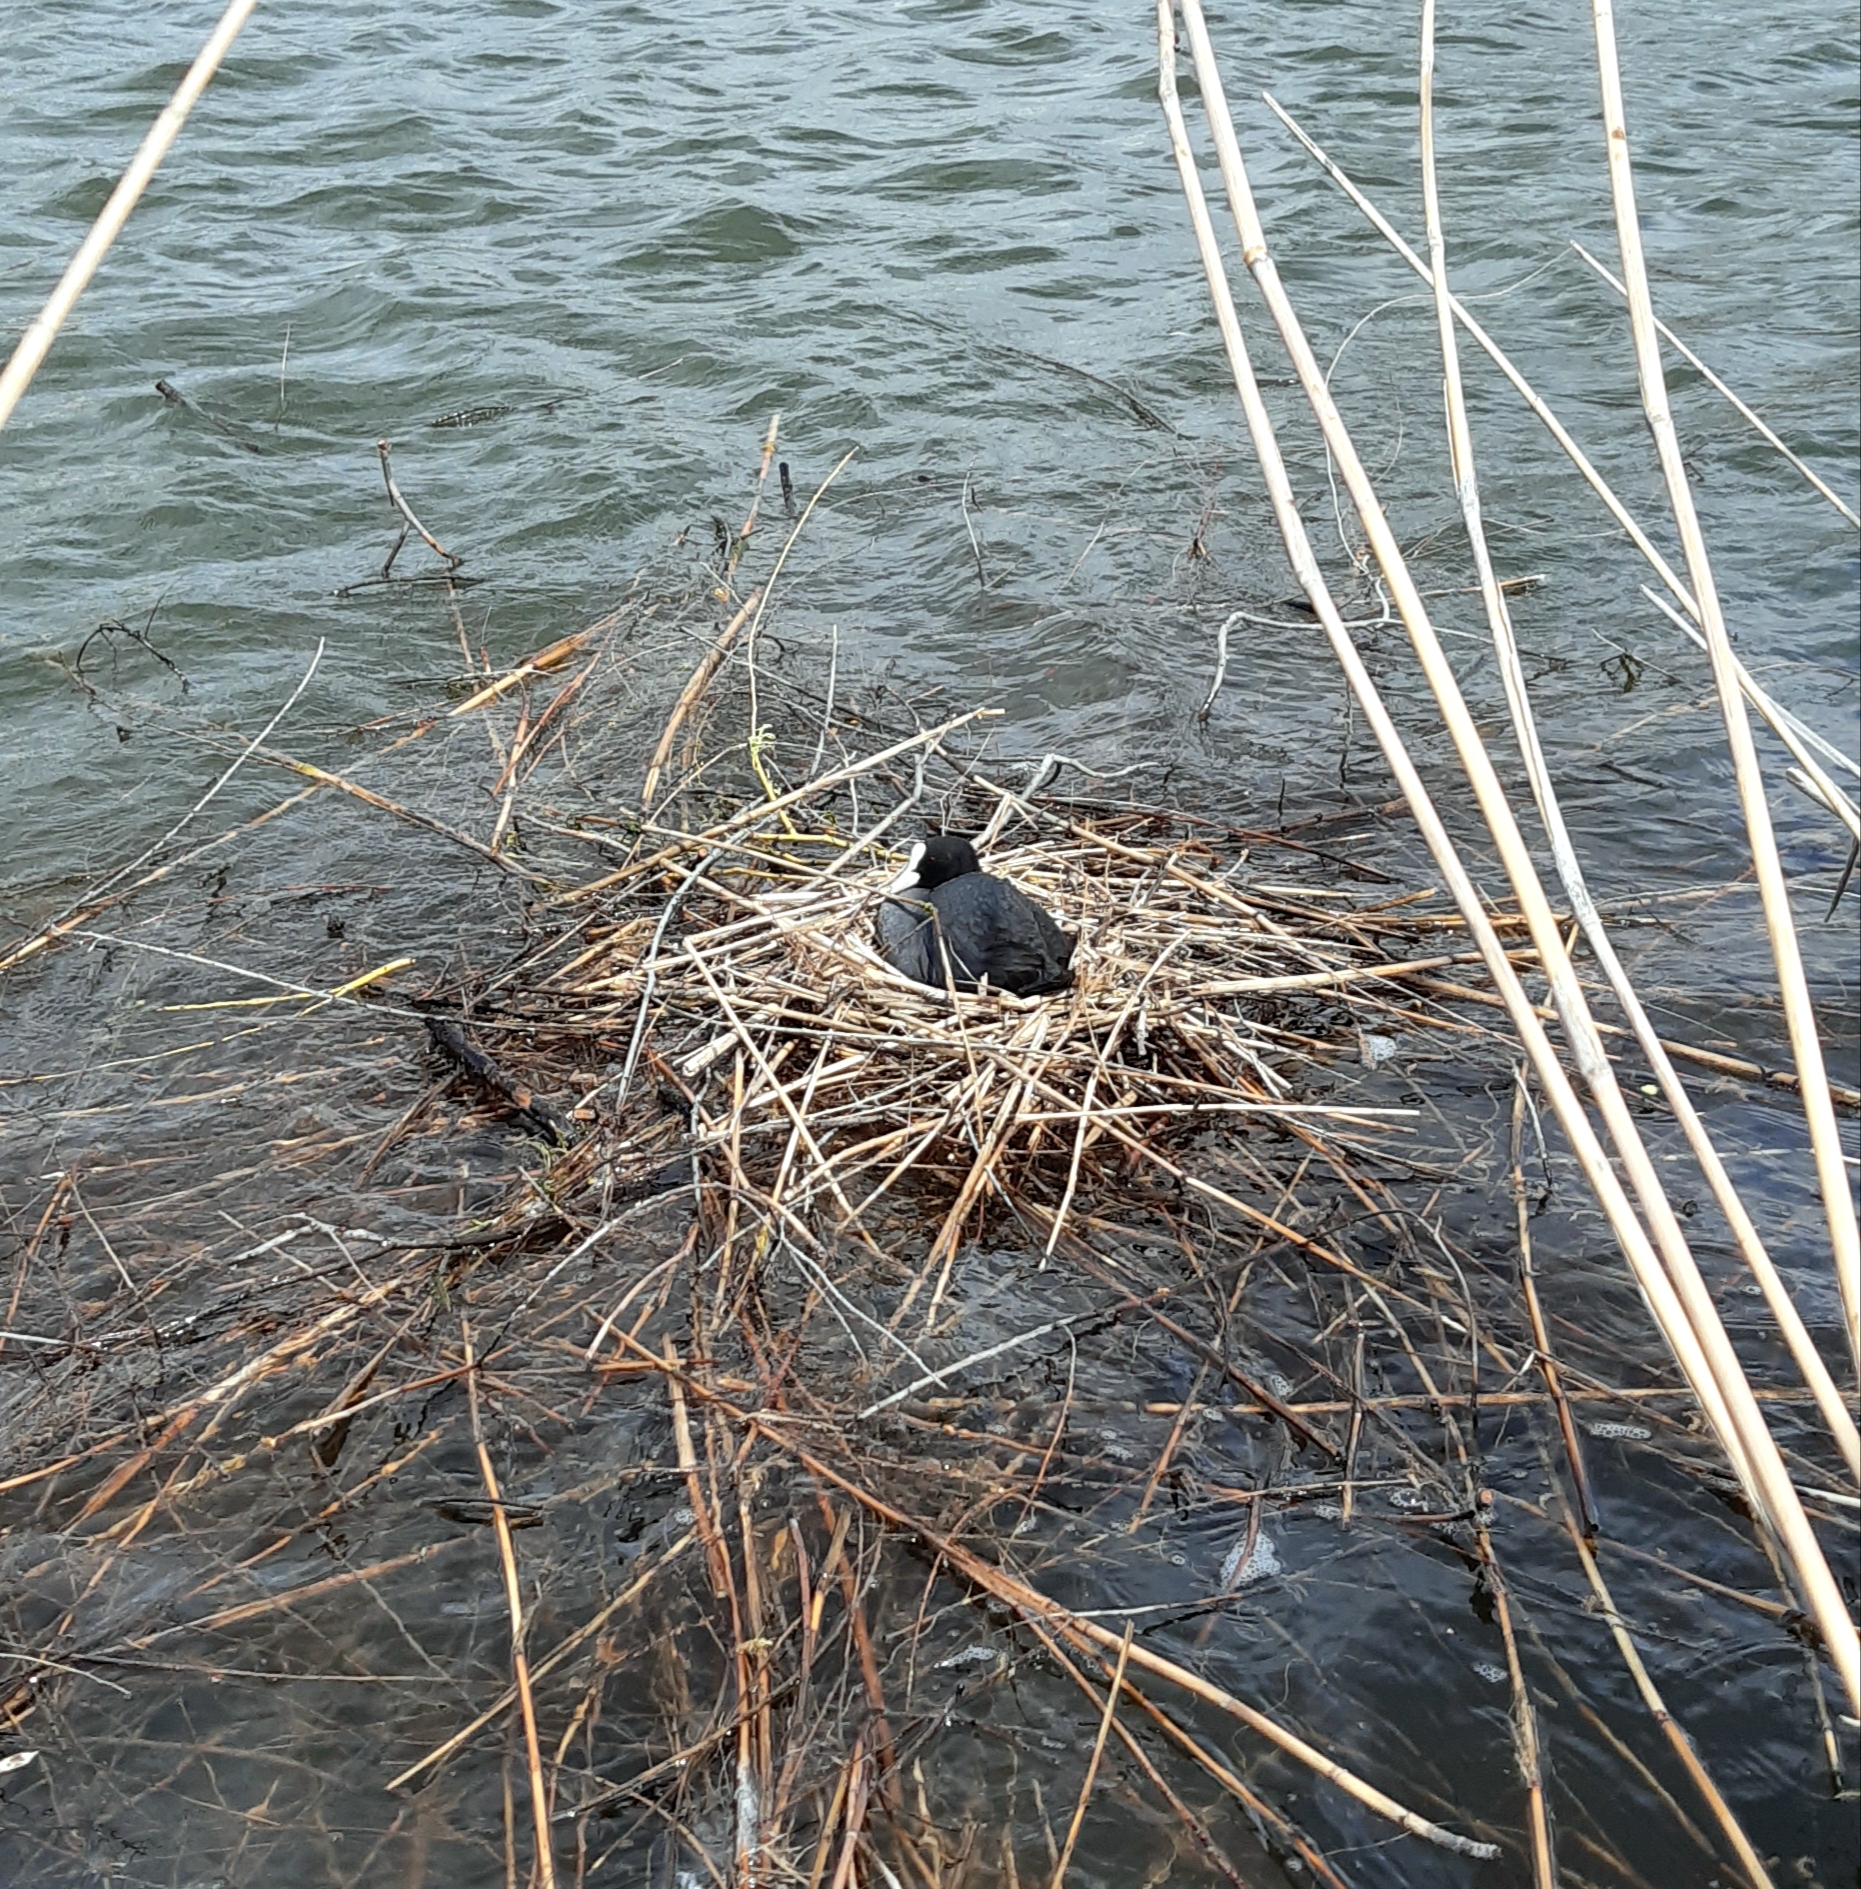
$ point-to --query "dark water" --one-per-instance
(948, 239)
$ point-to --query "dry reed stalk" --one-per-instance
(1288, 1832)
(1748, 1858)
(1579, 460)
(693, 691)
(1035, 1606)
(1569, 868)
(740, 543)
(1058, 1880)
(412, 816)
(526, 739)
(219, 1396)
(513, 1600)
(1685, 1052)
(363, 1577)
(778, 1090)
(36, 342)
(1719, 386)
(1525, 1738)
(384, 451)
(1805, 1040)
(1785, 724)
(768, 589)
(101, 898)
(1690, 1323)
(748, 815)
(1147, 1765)
(1500, 359)
(830, 1821)
(877, 1729)
(1541, 1338)
(1795, 734)
(538, 664)
(1160, 1468)
(858, 1797)
(1511, 996)
(942, 1254)
(571, 1643)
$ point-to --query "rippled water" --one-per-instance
(946, 238)
(645, 237)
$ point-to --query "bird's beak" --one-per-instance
(907, 881)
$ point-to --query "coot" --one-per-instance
(944, 903)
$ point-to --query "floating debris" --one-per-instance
(538, 1111)
(176, 398)
(1245, 1566)
(474, 416)
(977, 1655)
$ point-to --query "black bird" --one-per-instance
(944, 904)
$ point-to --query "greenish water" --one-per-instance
(948, 239)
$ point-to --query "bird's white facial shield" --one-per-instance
(907, 880)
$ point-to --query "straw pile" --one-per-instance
(793, 1278)
(704, 1034)
(822, 1089)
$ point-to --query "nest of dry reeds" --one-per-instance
(709, 1017)
(734, 975)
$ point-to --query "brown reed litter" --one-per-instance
(824, 1360)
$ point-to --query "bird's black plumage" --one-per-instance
(943, 905)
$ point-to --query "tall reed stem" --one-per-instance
(1805, 1042)
(1569, 868)
(1780, 718)
(1698, 1341)
(36, 342)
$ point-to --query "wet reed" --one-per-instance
(767, 1187)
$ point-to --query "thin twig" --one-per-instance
(1719, 386)
(513, 1597)
(451, 559)
(1092, 1765)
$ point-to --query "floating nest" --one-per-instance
(858, 1154)
(754, 1043)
